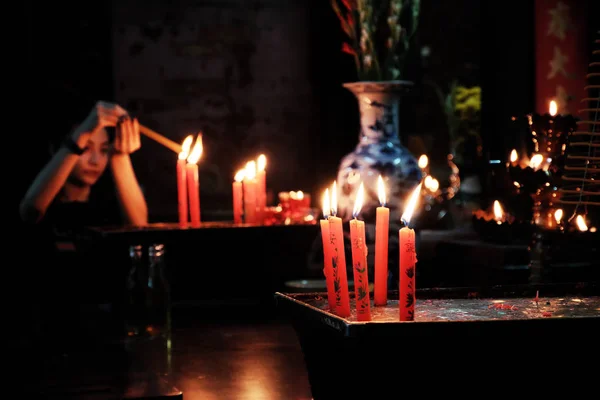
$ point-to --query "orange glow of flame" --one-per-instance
(553, 108)
(580, 221)
(334, 199)
(240, 175)
(360, 198)
(381, 191)
(423, 161)
(411, 205)
(326, 205)
(536, 161)
(185, 147)
(251, 170)
(431, 184)
(498, 212)
(261, 162)
(196, 153)
(514, 156)
(558, 214)
(299, 195)
(427, 181)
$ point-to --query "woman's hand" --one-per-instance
(102, 115)
(127, 139)
(129, 192)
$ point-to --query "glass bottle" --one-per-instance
(148, 315)
(158, 293)
(134, 307)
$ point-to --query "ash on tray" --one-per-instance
(482, 309)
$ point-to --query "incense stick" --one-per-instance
(168, 143)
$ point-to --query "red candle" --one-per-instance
(261, 187)
(182, 203)
(408, 261)
(238, 202)
(182, 199)
(382, 226)
(359, 261)
(327, 263)
(338, 259)
(296, 199)
(194, 182)
(250, 201)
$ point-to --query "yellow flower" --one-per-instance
(467, 99)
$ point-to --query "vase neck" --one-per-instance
(379, 119)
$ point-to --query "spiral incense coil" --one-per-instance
(580, 190)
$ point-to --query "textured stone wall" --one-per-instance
(236, 70)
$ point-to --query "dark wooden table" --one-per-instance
(233, 357)
(240, 361)
(219, 261)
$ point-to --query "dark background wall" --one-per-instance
(260, 76)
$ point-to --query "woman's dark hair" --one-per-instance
(66, 128)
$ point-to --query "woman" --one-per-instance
(68, 178)
(68, 273)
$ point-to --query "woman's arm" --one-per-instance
(46, 185)
(129, 193)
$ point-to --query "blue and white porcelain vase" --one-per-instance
(379, 152)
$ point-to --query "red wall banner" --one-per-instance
(561, 54)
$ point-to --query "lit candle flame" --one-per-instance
(498, 212)
(558, 215)
(431, 184)
(536, 161)
(261, 162)
(185, 147)
(553, 109)
(326, 206)
(334, 199)
(381, 191)
(580, 221)
(514, 156)
(411, 205)
(423, 161)
(240, 175)
(196, 153)
(427, 181)
(358, 203)
(251, 170)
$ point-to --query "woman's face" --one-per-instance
(93, 161)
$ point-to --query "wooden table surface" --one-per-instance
(231, 358)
